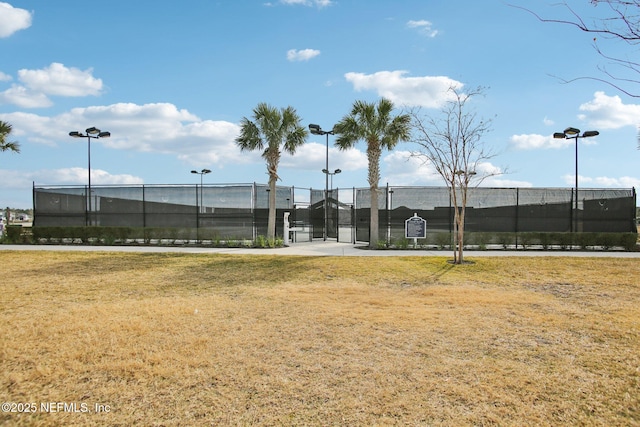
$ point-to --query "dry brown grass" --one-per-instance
(169, 339)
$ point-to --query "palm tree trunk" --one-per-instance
(271, 223)
(373, 224)
(373, 156)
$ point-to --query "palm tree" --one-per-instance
(379, 129)
(270, 129)
(5, 130)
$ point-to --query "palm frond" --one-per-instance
(250, 138)
(10, 146)
(270, 129)
(5, 130)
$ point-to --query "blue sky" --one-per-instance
(171, 81)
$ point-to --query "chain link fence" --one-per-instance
(240, 211)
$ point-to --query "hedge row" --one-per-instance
(131, 235)
(525, 240)
(182, 236)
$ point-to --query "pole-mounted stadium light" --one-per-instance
(90, 133)
(201, 173)
(335, 172)
(589, 133)
(317, 130)
(573, 133)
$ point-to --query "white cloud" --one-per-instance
(312, 156)
(318, 3)
(602, 181)
(548, 122)
(534, 142)
(159, 128)
(79, 176)
(56, 80)
(61, 81)
(402, 169)
(29, 124)
(13, 19)
(5, 77)
(163, 128)
(426, 91)
(302, 55)
(608, 112)
(13, 179)
(65, 176)
(501, 182)
(423, 27)
(24, 98)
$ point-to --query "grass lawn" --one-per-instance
(124, 339)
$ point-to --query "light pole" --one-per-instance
(335, 172)
(95, 133)
(317, 130)
(326, 205)
(573, 133)
(201, 173)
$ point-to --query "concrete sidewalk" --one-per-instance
(320, 248)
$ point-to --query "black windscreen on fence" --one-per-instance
(241, 211)
(500, 210)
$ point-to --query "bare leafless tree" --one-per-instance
(451, 142)
(621, 22)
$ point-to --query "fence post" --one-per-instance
(86, 209)
(198, 201)
(33, 201)
(571, 211)
(386, 203)
(634, 226)
(144, 208)
(254, 231)
(517, 213)
(354, 219)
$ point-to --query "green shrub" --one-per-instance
(606, 240)
(443, 240)
(261, 241)
(402, 243)
(210, 234)
(586, 240)
(506, 239)
(173, 234)
(275, 243)
(527, 239)
(546, 240)
(108, 235)
(123, 233)
(232, 242)
(41, 233)
(564, 240)
(479, 239)
(188, 234)
(14, 234)
(629, 241)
